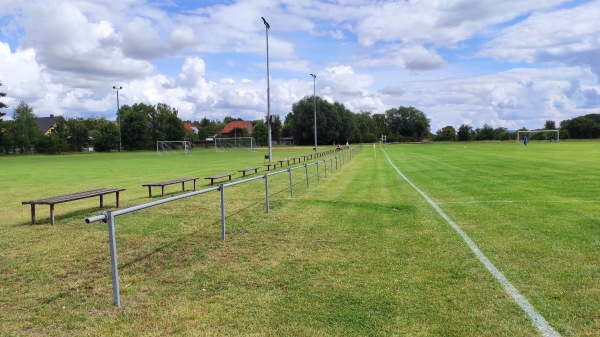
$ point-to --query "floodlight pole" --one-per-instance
(118, 115)
(315, 106)
(267, 27)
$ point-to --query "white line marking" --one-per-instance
(517, 201)
(475, 202)
(537, 320)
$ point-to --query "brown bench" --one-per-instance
(271, 164)
(248, 169)
(71, 197)
(219, 176)
(162, 185)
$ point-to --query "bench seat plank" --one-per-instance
(248, 169)
(100, 192)
(219, 176)
(162, 184)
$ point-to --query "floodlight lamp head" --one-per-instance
(313, 75)
(118, 88)
(266, 23)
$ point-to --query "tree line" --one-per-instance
(140, 126)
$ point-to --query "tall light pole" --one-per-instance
(267, 27)
(118, 115)
(315, 105)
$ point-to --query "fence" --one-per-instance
(109, 216)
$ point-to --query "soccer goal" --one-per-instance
(548, 135)
(174, 148)
(235, 144)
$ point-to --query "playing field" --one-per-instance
(391, 243)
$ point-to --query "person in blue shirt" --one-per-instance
(525, 140)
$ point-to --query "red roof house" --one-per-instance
(229, 129)
(189, 128)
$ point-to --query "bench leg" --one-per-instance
(52, 214)
(230, 178)
(117, 199)
(32, 214)
(183, 186)
(162, 194)
(194, 184)
(149, 191)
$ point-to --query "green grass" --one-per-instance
(360, 253)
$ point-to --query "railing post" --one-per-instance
(306, 169)
(222, 190)
(291, 184)
(266, 193)
(325, 165)
(112, 242)
(318, 178)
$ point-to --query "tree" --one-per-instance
(446, 133)
(27, 132)
(464, 132)
(2, 114)
(261, 133)
(163, 123)
(407, 123)
(135, 129)
(275, 128)
(78, 134)
(301, 122)
(51, 144)
(106, 137)
(365, 128)
(485, 133)
(550, 125)
(582, 127)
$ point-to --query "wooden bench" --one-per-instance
(71, 197)
(219, 176)
(162, 185)
(248, 169)
(268, 165)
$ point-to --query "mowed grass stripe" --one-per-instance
(548, 241)
(538, 320)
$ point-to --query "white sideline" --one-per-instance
(538, 320)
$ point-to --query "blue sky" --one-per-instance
(510, 63)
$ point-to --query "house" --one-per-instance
(189, 128)
(46, 124)
(229, 131)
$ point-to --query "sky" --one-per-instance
(505, 63)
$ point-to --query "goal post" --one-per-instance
(549, 135)
(164, 147)
(235, 144)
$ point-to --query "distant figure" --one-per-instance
(347, 145)
(337, 147)
(525, 140)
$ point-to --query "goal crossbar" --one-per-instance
(171, 146)
(235, 144)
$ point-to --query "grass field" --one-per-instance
(361, 253)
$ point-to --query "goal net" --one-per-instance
(173, 148)
(547, 135)
(235, 144)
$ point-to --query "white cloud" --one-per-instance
(515, 98)
(569, 36)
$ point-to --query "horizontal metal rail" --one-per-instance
(103, 216)
(109, 216)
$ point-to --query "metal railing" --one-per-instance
(109, 216)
